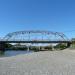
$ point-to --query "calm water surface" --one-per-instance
(14, 53)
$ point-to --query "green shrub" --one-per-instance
(60, 46)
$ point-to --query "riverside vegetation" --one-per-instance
(35, 48)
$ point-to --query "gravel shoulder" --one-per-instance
(40, 63)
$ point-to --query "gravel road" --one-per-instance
(39, 63)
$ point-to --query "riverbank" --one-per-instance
(39, 63)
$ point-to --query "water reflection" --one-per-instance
(13, 53)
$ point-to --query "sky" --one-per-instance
(50, 15)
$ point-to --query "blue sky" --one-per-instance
(52, 15)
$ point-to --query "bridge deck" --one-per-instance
(36, 41)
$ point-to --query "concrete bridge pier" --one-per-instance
(39, 48)
(53, 48)
(2, 46)
(28, 48)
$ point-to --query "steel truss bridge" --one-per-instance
(35, 37)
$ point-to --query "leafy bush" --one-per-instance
(34, 48)
(7, 45)
(60, 46)
(48, 47)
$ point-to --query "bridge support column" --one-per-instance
(39, 48)
(2, 46)
(28, 48)
(53, 48)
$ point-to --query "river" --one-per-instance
(9, 53)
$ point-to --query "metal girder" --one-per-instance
(28, 34)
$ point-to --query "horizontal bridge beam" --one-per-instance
(35, 41)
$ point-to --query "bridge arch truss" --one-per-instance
(35, 36)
